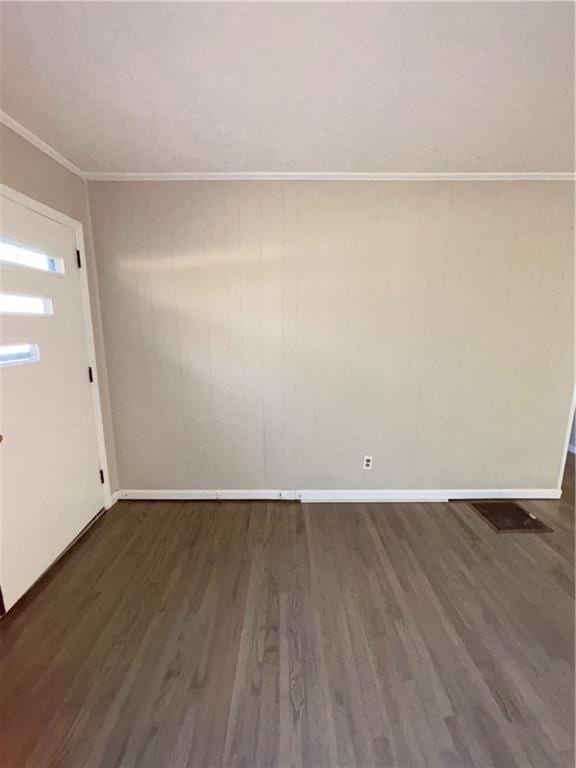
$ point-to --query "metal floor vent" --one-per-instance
(509, 517)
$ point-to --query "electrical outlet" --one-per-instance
(367, 463)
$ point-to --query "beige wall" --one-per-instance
(268, 335)
(28, 170)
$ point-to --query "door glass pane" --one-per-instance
(16, 354)
(18, 255)
(11, 304)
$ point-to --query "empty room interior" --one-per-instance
(287, 384)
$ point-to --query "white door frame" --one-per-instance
(567, 438)
(78, 229)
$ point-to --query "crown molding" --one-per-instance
(279, 176)
(344, 176)
(39, 143)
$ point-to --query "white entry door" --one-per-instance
(51, 485)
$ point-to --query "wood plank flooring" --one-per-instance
(277, 634)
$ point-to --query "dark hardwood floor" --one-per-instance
(278, 634)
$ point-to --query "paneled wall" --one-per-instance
(269, 335)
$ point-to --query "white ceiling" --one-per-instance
(291, 87)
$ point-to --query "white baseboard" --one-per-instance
(340, 496)
(507, 493)
(206, 495)
(427, 495)
(369, 496)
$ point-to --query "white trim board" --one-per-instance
(43, 146)
(77, 228)
(571, 417)
(206, 495)
(340, 496)
(114, 498)
(334, 176)
(38, 143)
(447, 494)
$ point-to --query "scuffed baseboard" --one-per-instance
(339, 496)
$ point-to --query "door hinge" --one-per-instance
(78, 259)
(102, 476)
(90, 376)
